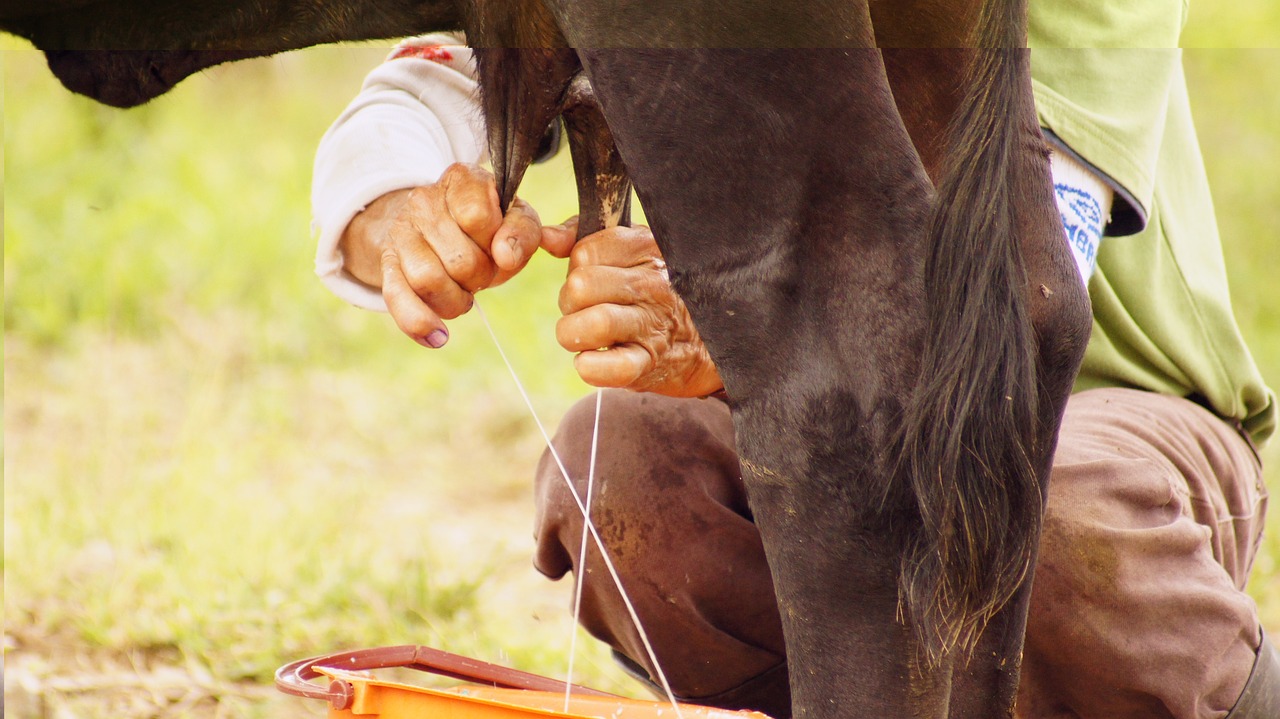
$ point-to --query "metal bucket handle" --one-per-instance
(294, 678)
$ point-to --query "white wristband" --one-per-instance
(1084, 200)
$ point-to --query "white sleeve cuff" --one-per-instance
(1084, 201)
(413, 118)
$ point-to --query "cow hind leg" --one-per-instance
(798, 251)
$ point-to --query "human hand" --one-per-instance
(628, 325)
(431, 248)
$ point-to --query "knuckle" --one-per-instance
(421, 209)
(583, 253)
(389, 259)
(576, 286)
(599, 325)
(469, 214)
(420, 197)
(565, 302)
(450, 307)
(462, 264)
(471, 197)
(464, 172)
(445, 301)
(565, 333)
(424, 277)
(580, 331)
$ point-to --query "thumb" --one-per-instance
(517, 238)
(558, 240)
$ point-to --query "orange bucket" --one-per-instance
(495, 692)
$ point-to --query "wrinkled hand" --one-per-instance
(628, 325)
(430, 249)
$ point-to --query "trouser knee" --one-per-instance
(1137, 606)
(670, 507)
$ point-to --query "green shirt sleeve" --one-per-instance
(1102, 72)
(1110, 90)
(1108, 107)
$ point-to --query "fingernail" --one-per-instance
(516, 254)
(435, 340)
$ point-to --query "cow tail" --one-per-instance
(970, 428)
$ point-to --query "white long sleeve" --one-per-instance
(415, 115)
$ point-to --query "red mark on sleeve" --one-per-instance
(435, 53)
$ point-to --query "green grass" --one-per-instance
(210, 461)
(212, 464)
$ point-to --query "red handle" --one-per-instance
(294, 678)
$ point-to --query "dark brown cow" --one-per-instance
(890, 304)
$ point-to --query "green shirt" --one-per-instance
(1162, 312)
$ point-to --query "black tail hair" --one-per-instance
(970, 428)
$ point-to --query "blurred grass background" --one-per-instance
(212, 466)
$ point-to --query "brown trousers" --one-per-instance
(1155, 512)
